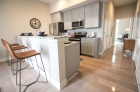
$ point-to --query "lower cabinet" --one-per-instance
(89, 46)
(84, 47)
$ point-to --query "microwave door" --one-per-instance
(75, 24)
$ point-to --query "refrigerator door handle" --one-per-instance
(52, 29)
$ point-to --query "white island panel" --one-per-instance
(53, 55)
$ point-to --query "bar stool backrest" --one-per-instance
(2, 41)
(9, 49)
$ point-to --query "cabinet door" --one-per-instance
(67, 20)
(90, 48)
(81, 13)
(84, 47)
(74, 14)
(88, 16)
(56, 17)
(95, 14)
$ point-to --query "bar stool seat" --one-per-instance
(26, 54)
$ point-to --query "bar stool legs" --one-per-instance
(37, 77)
(43, 68)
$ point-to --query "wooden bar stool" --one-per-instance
(23, 55)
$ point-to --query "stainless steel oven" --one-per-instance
(77, 37)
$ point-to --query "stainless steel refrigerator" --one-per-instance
(56, 28)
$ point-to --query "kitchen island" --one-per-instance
(55, 55)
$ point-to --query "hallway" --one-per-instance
(109, 73)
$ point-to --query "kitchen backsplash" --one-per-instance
(89, 31)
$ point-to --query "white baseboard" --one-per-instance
(100, 53)
(137, 80)
(59, 86)
(2, 59)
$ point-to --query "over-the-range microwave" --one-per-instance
(78, 24)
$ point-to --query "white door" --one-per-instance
(105, 34)
(109, 33)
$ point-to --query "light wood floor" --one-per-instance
(109, 73)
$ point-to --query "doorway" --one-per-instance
(123, 29)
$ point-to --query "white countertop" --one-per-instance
(46, 37)
(73, 42)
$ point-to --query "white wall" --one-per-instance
(135, 35)
(68, 4)
(15, 18)
(63, 4)
(110, 9)
(123, 24)
(125, 11)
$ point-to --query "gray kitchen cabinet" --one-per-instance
(84, 47)
(74, 14)
(81, 13)
(67, 20)
(92, 14)
(56, 17)
(87, 16)
(78, 13)
(72, 59)
(89, 46)
(95, 14)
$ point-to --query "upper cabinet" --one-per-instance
(56, 17)
(95, 14)
(67, 20)
(92, 15)
(74, 14)
(88, 16)
(78, 13)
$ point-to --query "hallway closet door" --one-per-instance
(110, 28)
(107, 33)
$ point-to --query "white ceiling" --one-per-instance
(47, 1)
(121, 2)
